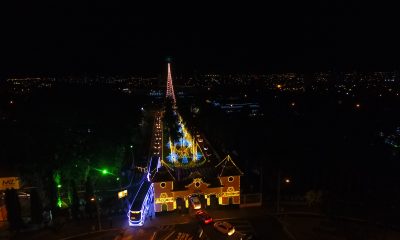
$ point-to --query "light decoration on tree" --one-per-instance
(184, 151)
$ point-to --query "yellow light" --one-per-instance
(122, 194)
(279, 86)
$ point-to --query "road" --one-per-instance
(252, 222)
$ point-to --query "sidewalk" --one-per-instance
(70, 228)
(305, 226)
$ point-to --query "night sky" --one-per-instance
(112, 37)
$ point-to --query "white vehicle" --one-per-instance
(195, 201)
(224, 228)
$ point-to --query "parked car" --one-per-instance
(224, 228)
(204, 217)
(195, 201)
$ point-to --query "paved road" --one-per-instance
(251, 222)
(244, 230)
(253, 228)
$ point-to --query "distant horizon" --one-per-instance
(221, 72)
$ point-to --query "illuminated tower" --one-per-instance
(170, 87)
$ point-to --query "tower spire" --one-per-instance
(170, 87)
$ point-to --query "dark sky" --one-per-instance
(112, 37)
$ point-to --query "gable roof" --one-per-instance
(163, 174)
(228, 168)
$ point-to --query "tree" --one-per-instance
(13, 209)
(313, 197)
(89, 194)
(75, 200)
(171, 121)
(36, 207)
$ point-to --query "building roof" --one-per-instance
(214, 182)
(228, 168)
(210, 174)
(163, 174)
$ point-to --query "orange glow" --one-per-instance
(279, 86)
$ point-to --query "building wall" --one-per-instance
(163, 195)
(230, 189)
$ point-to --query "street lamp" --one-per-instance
(278, 190)
(94, 198)
(133, 158)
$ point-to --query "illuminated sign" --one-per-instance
(10, 182)
(122, 194)
(164, 200)
(230, 194)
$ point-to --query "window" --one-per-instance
(163, 184)
(197, 184)
(230, 179)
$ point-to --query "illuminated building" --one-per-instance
(215, 184)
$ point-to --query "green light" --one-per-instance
(117, 178)
(104, 171)
(59, 202)
(59, 186)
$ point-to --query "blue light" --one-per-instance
(172, 157)
(184, 160)
(144, 209)
(199, 155)
(182, 142)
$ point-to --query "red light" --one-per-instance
(207, 221)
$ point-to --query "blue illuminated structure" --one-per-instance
(144, 198)
(141, 204)
(172, 157)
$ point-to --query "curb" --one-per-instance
(284, 228)
(93, 232)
